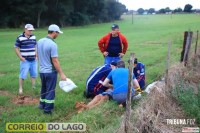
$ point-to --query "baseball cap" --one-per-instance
(29, 27)
(55, 28)
(115, 26)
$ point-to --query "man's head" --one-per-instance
(115, 29)
(121, 64)
(113, 65)
(54, 30)
(28, 29)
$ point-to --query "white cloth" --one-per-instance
(67, 85)
(150, 87)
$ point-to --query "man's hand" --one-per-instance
(121, 55)
(22, 59)
(63, 77)
(105, 53)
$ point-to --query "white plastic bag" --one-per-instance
(67, 85)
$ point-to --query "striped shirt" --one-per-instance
(27, 46)
(99, 73)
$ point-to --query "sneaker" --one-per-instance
(20, 91)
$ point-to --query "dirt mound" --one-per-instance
(25, 100)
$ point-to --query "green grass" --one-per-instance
(148, 37)
(189, 101)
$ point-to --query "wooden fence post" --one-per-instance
(167, 66)
(184, 43)
(187, 47)
(196, 43)
(128, 101)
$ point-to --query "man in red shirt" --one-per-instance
(113, 45)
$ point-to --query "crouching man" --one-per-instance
(118, 90)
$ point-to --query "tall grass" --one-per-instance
(189, 101)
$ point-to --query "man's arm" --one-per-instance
(18, 54)
(106, 83)
(58, 68)
(135, 84)
(36, 53)
(125, 44)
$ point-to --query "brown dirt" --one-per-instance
(25, 100)
(20, 100)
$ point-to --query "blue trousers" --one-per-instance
(47, 94)
(109, 59)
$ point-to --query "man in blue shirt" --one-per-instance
(49, 67)
(119, 77)
(25, 48)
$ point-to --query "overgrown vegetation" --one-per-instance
(187, 88)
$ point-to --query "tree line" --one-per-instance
(187, 9)
(15, 13)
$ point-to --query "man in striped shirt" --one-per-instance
(25, 48)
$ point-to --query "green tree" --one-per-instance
(167, 9)
(162, 11)
(39, 7)
(178, 10)
(188, 8)
(140, 11)
(15, 13)
(151, 10)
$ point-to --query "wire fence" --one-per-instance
(185, 54)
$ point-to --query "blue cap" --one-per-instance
(115, 26)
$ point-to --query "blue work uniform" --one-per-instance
(93, 87)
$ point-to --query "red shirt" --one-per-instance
(104, 41)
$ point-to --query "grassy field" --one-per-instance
(148, 38)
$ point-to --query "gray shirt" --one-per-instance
(46, 49)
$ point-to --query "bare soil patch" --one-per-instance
(25, 100)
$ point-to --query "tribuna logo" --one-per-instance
(180, 121)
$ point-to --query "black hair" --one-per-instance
(50, 32)
(121, 64)
(135, 61)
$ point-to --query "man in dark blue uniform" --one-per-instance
(93, 86)
(139, 72)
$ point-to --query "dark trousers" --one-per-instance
(47, 94)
